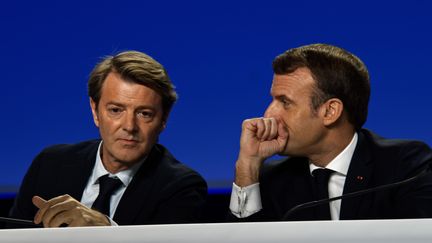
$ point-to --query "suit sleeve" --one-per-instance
(415, 200)
(23, 207)
(182, 200)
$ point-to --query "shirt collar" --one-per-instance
(125, 176)
(341, 162)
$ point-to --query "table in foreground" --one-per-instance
(394, 231)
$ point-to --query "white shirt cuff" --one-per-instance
(245, 201)
(113, 223)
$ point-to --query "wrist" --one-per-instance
(247, 171)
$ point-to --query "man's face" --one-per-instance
(130, 118)
(291, 105)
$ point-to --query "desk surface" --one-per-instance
(394, 231)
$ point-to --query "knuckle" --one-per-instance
(247, 121)
(79, 211)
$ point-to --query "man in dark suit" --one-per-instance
(126, 177)
(320, 102)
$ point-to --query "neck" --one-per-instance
(112, 165)
(331, 147)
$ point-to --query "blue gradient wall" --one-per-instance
(218, 53)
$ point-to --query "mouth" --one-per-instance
(128, 142)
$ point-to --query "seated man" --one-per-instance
(320, 103)
(125, 178)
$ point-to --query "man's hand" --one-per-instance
(66, 210)
(260, 139)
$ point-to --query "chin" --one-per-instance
(128, 160)
(130, 154)
(129, 157)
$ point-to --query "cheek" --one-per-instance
(299, 123)
(155, 131)
(289, 119)
(150, 130)
(108, 126)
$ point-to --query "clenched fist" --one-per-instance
(260, 139)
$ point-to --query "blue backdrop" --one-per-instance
(218, 53)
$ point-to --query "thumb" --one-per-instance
(282, 135)
(38, 201)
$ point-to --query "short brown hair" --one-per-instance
(136, 67)
(337, 73)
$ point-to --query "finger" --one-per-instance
(260, 128)
(44, 205)
(64, 217)
(83, 216)
(58, 209)
(38, 201)
(267, 129)
(249, 125)
(282, 136)
(76, 223)
(274, 129)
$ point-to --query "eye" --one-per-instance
(114, 110)
(146, 114)
(285, 102)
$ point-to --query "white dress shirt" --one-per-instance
(247, 200)
(91, 191)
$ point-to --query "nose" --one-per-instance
(129, 122)
(271, 110)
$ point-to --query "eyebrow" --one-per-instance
(284, 97)
(141, 107)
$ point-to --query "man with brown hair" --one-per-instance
(125, 178)
(320, 103)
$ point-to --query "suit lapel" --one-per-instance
(358, 178)
(294, 188)
(137, 196)
(304, 191)
(77, 170)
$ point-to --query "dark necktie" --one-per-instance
(107, 186)
(321, 177)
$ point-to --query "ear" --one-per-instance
(331, 111)
(164, 122)
(162, 127)
(94, 112)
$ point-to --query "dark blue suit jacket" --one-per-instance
(162, 191)
(376, 161)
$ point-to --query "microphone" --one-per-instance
(19, 221)
(311, 204)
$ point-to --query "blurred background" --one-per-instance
(218, 54)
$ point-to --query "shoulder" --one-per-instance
(400, 154)
(71, 148)
(393, 146)
(171, 168)
(66, 152)
(58, 162)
